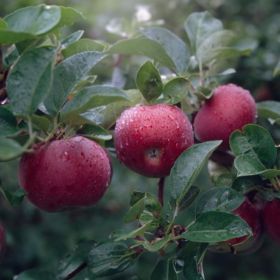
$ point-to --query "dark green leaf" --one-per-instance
(199, 26)
(67, 75)
(29, 80)
(219, 199)
(148, 81)
(164, 269)
(15, 198)
(269, 109)
(9, 149)
(11, 37)
(74, 260)
(175, 48)
(190, 260)
(8, 123)
(255, 151)
(82, 46)
(35, 274)
(140, 202)
(109, 259)
(186, 169)
(95, 132)
(35, 20)
(190, 196)
(212, 227)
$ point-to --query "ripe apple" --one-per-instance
(65, 173)
(2, 240)
(271, 213)
(230, 108)
(246, 244)
(149, 138)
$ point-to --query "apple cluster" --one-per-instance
(73, 172)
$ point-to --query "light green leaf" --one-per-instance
(269, 109)
(35, 20)
(83, 45)
(30, 79)
(175, 48)
(199, 26)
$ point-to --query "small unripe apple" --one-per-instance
(65, 173)
(149, 138)
(230, 108)
(271, 214)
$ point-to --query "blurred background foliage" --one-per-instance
(40, 239)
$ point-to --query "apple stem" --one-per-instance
(161, 190)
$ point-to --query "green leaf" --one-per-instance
(69, 16)
(177, 89)
(190, 260)
(219, 199)
(215, 46)
(269, 109)
(75, 259)
(110, 258)
(35, 20)
(95, 132)
(35, 274)
(276, 71)
(156, 245)
(255, 151)
(30, 79)
(82, 46)
(91, 97)
(165, 269)
(8, 123)
(3, 24)
(148, 81)
(175, 48)
(186, 169)
(72, 38)
(67, 75)
(212, 227)
(9, 149)
(11, 37)
(143, 46)
(140, 202)
(199, 26)
(15, 198)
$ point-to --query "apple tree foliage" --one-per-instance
(50, 84)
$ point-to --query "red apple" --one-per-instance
(149, 138)
(65, 173)
(271, 217)
(2, 240)
(230, 108)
